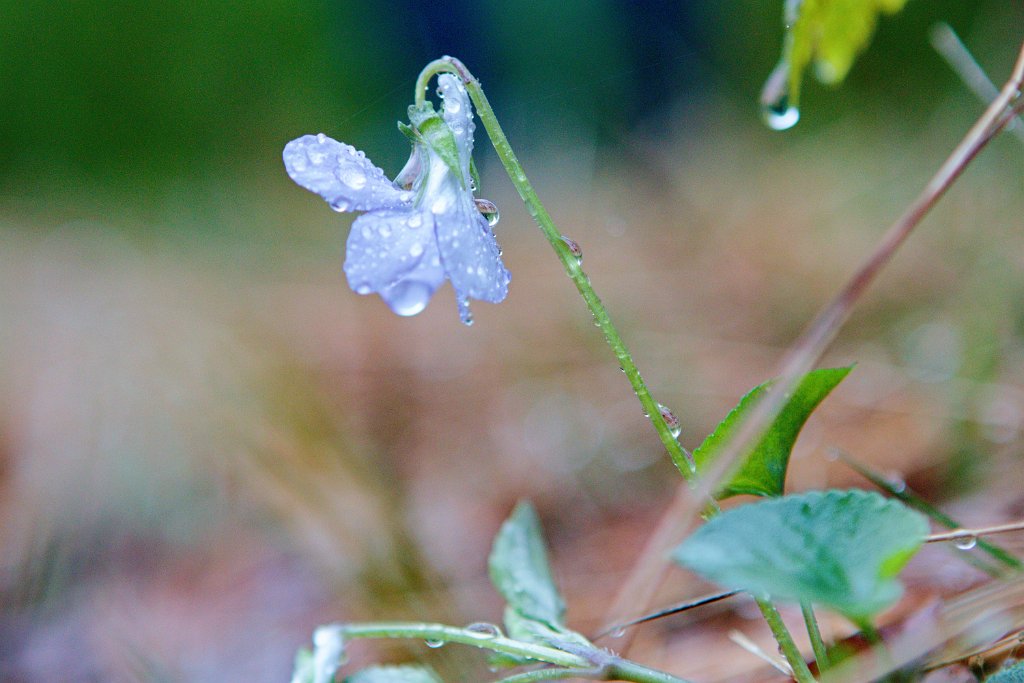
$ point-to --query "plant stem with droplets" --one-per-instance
(570, 261)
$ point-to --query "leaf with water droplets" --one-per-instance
(520, 571)
(763, 472)
(394, 674)
(829, 33)
(838, 549)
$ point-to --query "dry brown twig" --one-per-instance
(646, 576)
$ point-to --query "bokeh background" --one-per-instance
(209, 445)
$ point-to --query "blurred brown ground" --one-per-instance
(203, 458)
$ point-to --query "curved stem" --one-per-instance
(570, 261)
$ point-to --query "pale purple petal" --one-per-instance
(458, 114)
(394, 253)
(470, 253)
(341, 174)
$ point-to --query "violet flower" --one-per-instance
(421, 229)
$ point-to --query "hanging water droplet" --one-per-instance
(775, 102)
(339, 205)
(671, 421)
(617, 632)
(433, 643)
(484, 629)
(408, 298)
(574, 248)
(966, 542)
(780, 115)
(488, 210)
(363, 289)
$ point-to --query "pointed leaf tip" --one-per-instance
(763, 472)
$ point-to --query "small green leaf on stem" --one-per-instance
(763, 473)
(520, 571)
(829, 33)
(839, 549)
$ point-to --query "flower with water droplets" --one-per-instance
(423, 228)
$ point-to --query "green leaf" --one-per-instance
(763, 473)
(438, 136)
(1011, 674)
(520, 571)
(829, 33)
(838, 549)
(394, 674)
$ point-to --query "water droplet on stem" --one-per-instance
(484, 629)
(966, 542)
(574, 248)
(671, 421)
(433, 643)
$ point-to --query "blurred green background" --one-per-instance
(209, 445)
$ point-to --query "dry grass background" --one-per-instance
(203, 457)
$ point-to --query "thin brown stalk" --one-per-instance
(648, 572)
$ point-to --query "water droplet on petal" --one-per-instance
(367, 232)
(465, 315)
(440, 204)
(384, 230)
(484, 629)
(315, 156)
(352, 177)
(416, 250)
(321, 138)
(488, 210)
(415, 220)
(452, 106)
(575, 248)
(617, 632)
(671, 421)
(966, 542)
(433, 643)
(408, 297)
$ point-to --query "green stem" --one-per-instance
(680, 457)
(553, 675)
(454, 634)
(814, 633)
(785, 640)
